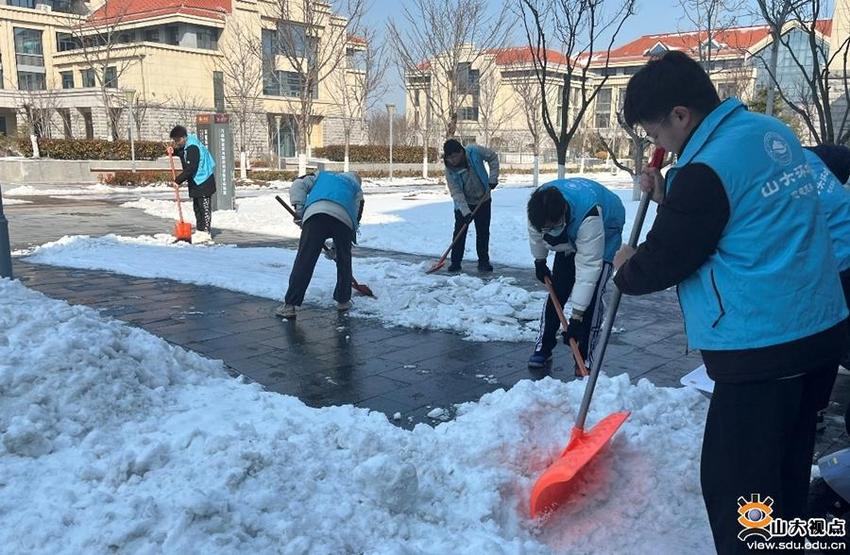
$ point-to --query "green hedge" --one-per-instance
(375, 153)
(78, 149)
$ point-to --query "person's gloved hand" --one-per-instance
(464, 219)
(573, 329)
(541, 270)
(298, 217)
(493, 185)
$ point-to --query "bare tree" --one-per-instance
(495, 107)
(312, 37)
(242, 70)
(357, 89)
(638, 147)
(578, 26)
(186, 106)
(820, 93)
(710, 19)
(378, 129)
(776, 14)
(105, 52)
(530, 100)
(442, 48)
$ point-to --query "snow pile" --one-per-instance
(416, 222)
(11, 201)
(494, 310)
(113, 440)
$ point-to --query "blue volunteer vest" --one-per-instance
(835, 206)
(206, 166)
(339, 188)
(581, 196)
(475, 163)
(773, 278)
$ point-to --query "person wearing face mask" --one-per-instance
(582, 222)
(470, 184)
(739, 231)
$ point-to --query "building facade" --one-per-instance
(91, 69)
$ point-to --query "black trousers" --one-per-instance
(482, 234)
(759, 439)
(563, 280)
(315, 231)
(203, 212)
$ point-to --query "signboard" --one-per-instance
(214, 131)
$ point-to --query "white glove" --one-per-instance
(330, 250)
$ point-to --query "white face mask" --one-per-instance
(556, 229)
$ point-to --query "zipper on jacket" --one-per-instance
(719, 300)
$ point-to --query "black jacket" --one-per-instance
(686, 232)
(190, 163)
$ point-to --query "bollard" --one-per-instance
(5, 250)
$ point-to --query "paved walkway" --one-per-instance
(325, 358)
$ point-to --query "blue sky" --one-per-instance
(653, 16)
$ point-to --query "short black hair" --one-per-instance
(836, 158)
(674, 79)
(546, 205)
(178, 132)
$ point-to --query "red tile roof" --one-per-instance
(732, 41)
(524, 55)
(135, 10)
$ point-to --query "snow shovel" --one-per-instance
(361, 288)
(442, 261)
(182, 230)
(554, 485)
(582, 369)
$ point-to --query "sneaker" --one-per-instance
(485, 266)
(285, 311)
(343, 307)
(454, 268)
(540, 359)
(201, 237)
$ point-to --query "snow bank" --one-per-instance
(113, 440)
(493, 310)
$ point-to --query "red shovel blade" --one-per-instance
(437, 266)
(363, 289)
(183, 231)
(553, 486)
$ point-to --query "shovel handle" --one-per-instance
(611, 312)
(441, 262)
(170, 152)
(564, 324)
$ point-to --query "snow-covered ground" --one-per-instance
(11, 201)
(493, 310)
(418, 222)
(112, 440)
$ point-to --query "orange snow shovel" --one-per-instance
(555, 484)
(182, 230)
(442, 261)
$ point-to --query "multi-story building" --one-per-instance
(84, 69)
(734, 58)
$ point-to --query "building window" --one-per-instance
(292, 39)
(284, 83)
(468, 79)
(66, 41)
(152, 35)
(468, 113)
(21, 3)
(28, 81)
(127, 38)
(2, 80)
(207, 39)
(65, 115)
(67, 79)
(218, 91)
(28, 47)
(110, 78)
(3, 126)
(356, 59)
(603, 109)
(172, 35)
(87, 78)
(88, 122)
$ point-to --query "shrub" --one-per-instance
(375, 153)
(79, 149)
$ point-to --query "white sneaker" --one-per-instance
(343, 307)
(202, 237)
(285, 311)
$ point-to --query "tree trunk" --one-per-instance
(562, 160)
(536, 179)
(345, 163)
(424, 159)
(243, 165)
(771, 88)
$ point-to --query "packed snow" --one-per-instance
(416, 222)
(491, 310)
(113, 440)
(11, 201)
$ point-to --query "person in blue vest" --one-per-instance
(582, 222)
(199, 172)
(739, 231)
(831, 167)
(329, 206)
(470, 184)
